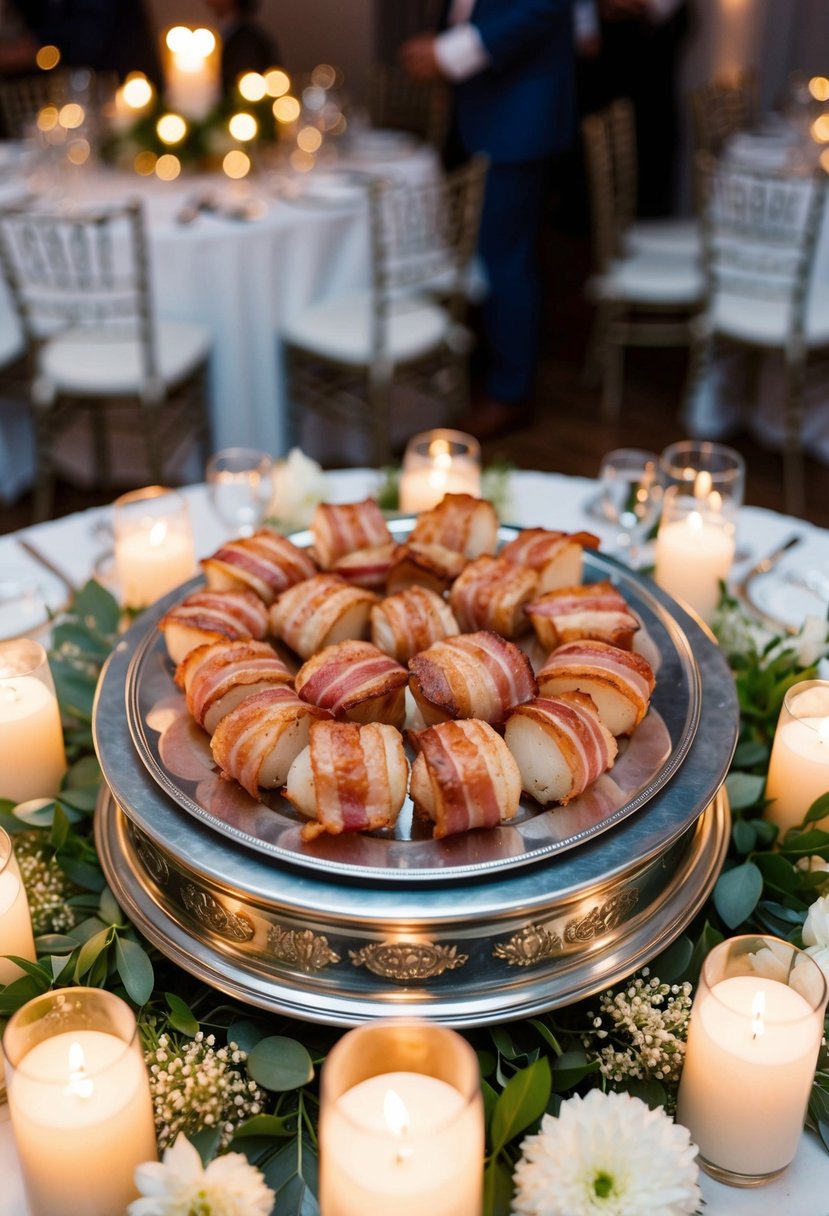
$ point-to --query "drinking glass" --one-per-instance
(701, 466)
(630, 498)
(239, 482)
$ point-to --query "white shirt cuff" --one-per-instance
(460, 53)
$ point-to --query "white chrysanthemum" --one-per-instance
(607, 1155)
(180, 1185)
(299, 484)
(816, 925)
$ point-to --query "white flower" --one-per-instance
(821, 956)
(816, 925)
(181, 1186)
(811, 642)
(298, 485)
(812, 863)
(773, 960)
(607, 1154)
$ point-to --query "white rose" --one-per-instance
(821, 956)
(816, 926)
(773, 960)
(299, 484)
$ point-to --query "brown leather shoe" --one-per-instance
(490, 419)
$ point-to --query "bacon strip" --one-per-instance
(474, 675)
(491, 594)
(459, 522)
(227, 670)
(535, 547)
(619, 681)
(343, 528)
(572, 725)
(595, 611)
(411, 620)
(305, 615)
(266, 562)
(464, 777)
(352, 675)
(245, 738)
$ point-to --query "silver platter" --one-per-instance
(486, 946)
(176, 754)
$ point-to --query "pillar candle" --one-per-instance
(153, 544)
(799, 765)
(694, 552)
(438, 463)
(32, 757)
(752, 1048)
(80, 1106)
(192, 71)
(406, 1137)
(16, 936)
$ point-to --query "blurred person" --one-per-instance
(104, 35)
(246, 45)
(511, 63)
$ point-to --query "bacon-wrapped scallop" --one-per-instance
(475, 675)
(258, 741)
(560, 744)
(356, 682)
(593, 611)
(210, 616)
(463, 777)
(320, 611)
(491, 594)
(460, 522)
(556, 557)
(619, 681)
(266, 563)
(410, 621)
(341, 528)
(368, 567)
(216, 677)
(432, 566)
(350, 778)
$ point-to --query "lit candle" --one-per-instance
(753, 1041)
(32, 757)
(799, 765)
(437, 463)
(79, 1101)
(694, 550)
(153, 544)
(16, 935)
(401, 1140)
(192, 71)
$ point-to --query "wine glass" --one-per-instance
(630, 498)
(239, 483)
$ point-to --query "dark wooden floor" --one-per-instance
(567, 434)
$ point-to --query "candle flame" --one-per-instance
(79, 1083)
(395, 1112)
(695, 521)
(758, 1010)
(702, 484)
(440, 453)
(158, 533)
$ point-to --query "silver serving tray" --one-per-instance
(176, 754)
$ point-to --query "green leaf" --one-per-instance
(75, 689)
(37, 812)
(90, 951)
(522, 1102)
(737, 892)
(280, 1064)
(570, 1068)
(547, 1035)
(84, 772)
(108, 909)
(246, 1034)
(135, 969)
(778, 873)
(55, 943)
(82, 873)
(750, 753)
(744, 835)
(497, 1189)
(503, 1042)
(818, 810)
(206, 1142)
(94, 603)
(652, 1093)
(35, 970)
(707, 940)
(266, 1125)
(181, 1016)
(765, 831)
(19, 992)
(744, 789)
(82, 799)
(292, 1173)
(60, 828)
(673, 963)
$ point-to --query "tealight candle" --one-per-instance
(32, 757)
(401, 1123)
(437, 463)
(153, 544)
(79, 1100)
(694, 549)
(799, 765)
(753, 1040)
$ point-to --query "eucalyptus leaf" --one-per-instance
(737, 893)
(279, 1126)
(84, 772)
(293, 1174)
(497, 1189)
(765, 831)
(75, 688)
(749, 753)
(55, 943)
(181, 1016)
(135, 969)
(522, 1102)
(206, 1142)
(777, 871)
(744, 835)
(97, 607)
(280, 1064)
(744, 789)
(36, 813)
(246, 1033)
(82, 873)
(82, 798)
(672, 964)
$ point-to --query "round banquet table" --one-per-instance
(243, 279)
(74, 544)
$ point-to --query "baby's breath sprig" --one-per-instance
(48, 888)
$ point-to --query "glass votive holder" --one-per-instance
(700, 466)
(239, 485)
(436, 463)
(695, 547)
(401, 1123)
(756, 1027)
(32, 756)
(79, 1100)
(154, 549)
(799, 766)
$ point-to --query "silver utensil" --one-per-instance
(47, 564)
(766, 564)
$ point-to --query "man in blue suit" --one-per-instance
(512, 66)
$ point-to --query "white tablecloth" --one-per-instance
(546, 499)
(241, 279)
